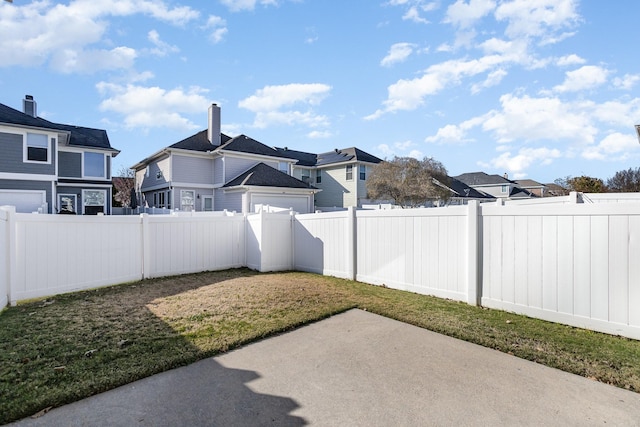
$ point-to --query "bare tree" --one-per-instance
(123, 184)
(408, 181)
(626, 181)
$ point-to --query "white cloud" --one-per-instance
(316, 134)
(540, 18)
(65, 36)
(572, 59)
(90, 61)
(530, 119)
(462, 14)
(161, 48)
(413, 14)
(268, 104)
(218, 28)
(626, 82)
(240, 5)
(586, 77)
(517, 164)
(399, 149)
(615, 146)
(493, 79)
(410, 94)
(398, 52)
(153, 107)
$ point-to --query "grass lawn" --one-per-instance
(68, 347)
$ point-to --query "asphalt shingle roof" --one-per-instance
(199, 142)
(244, 144)
(346, 155)
(464, 190)
(262, 175)
(303, 158)
(79, 136)
(481, 178)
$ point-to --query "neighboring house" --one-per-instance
(494, 185)
(51, 167)
(553, 190)
(341, 174)
(212, 171)
(534, 187)
(461, 193)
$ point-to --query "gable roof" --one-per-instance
(528, 183)
(262, 175)
(481, 178)
(244, 144)
(346, 155)
(199, 142)
(78, 135)
(463, 190)
(303, 158)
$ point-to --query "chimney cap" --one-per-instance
(29, 97)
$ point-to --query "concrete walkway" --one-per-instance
(356, 369)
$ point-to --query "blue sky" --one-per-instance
(539, 89)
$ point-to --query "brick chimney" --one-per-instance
(29, 106)
(213, 133)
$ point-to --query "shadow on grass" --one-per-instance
(68, 347)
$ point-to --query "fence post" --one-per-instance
(473, 230)
(146, 246)
(352, 243)
(292, 242)
(10, 246)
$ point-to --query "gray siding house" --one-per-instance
(211, 171)
(50, 167)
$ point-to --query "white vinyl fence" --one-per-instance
(577, 264)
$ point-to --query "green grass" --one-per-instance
(71, 346)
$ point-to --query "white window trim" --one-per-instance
(346, 174)
(75, 201)
(182, 195)
(104, 206)
(204, 198)
(104, 166)
(50, 144)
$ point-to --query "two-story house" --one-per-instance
(497, 186)
(212, 171)
(51, 167)
(341, 174)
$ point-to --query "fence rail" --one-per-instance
(575, 264)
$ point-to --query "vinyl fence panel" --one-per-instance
(4, 257)
(323, 243)
(180, 245)
(419, 250)
(574, 264)
(60, 253)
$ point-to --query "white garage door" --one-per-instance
(24, 201)
(299, 204)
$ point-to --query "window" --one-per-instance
(319, 176)
(94, 165)
(305, 176)
(67, 203)
(504, 189)
(349, 172)
(37, 148)
(363, 172)
(161, 199)
(159, 174)
(283, 167)
(186, 200)
(93, 201)
(207, 203)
